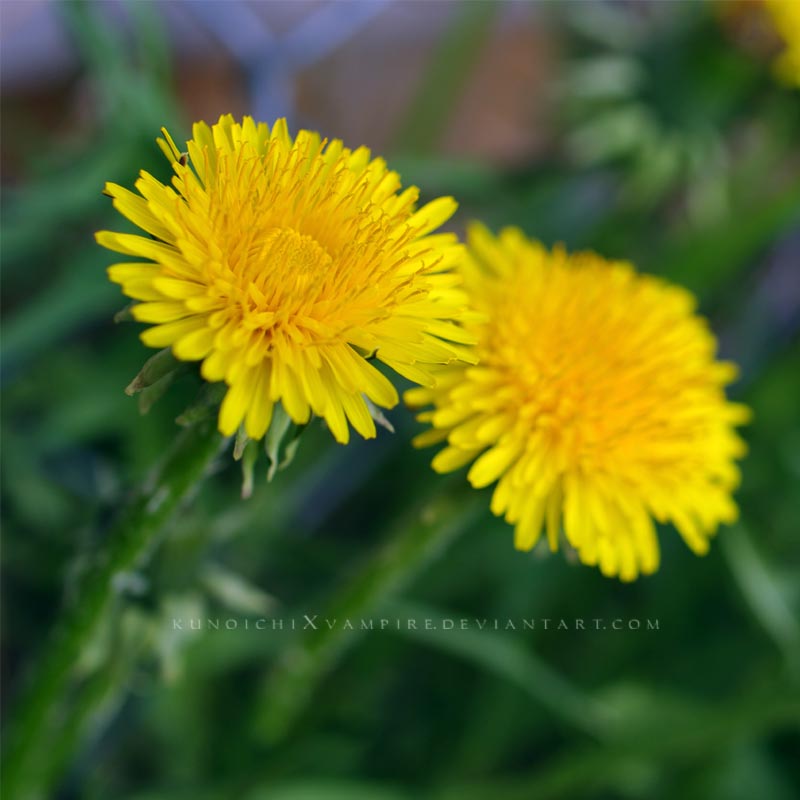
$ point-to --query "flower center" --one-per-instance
(286, 271)
(295, 260)
(586, 373)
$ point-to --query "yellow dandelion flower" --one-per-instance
(785, 15)
(597, 404)
(285, 265)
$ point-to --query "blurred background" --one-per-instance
(652, 131)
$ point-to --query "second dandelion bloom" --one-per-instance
(285, 265)
(598, 405)
(785, 16)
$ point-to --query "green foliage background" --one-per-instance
(677, 151)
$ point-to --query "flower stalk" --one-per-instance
(40, 716)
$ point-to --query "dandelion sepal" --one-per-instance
(155, 369)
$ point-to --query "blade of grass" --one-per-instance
(419, 538)
(445, 78)
(670, 734)
(80, 295)
(508, 659)
(762, 593)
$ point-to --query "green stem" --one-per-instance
(130, 542)
(414, 543)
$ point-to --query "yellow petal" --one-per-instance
(170, 332)
(492, 464)
(159, 312)
(194, 346)
(237, 402)
(356, 410)
(259, 414)
(452, 458)
(432, 215)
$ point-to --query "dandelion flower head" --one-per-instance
(286, 266)
(785, 15)
(597, 405)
